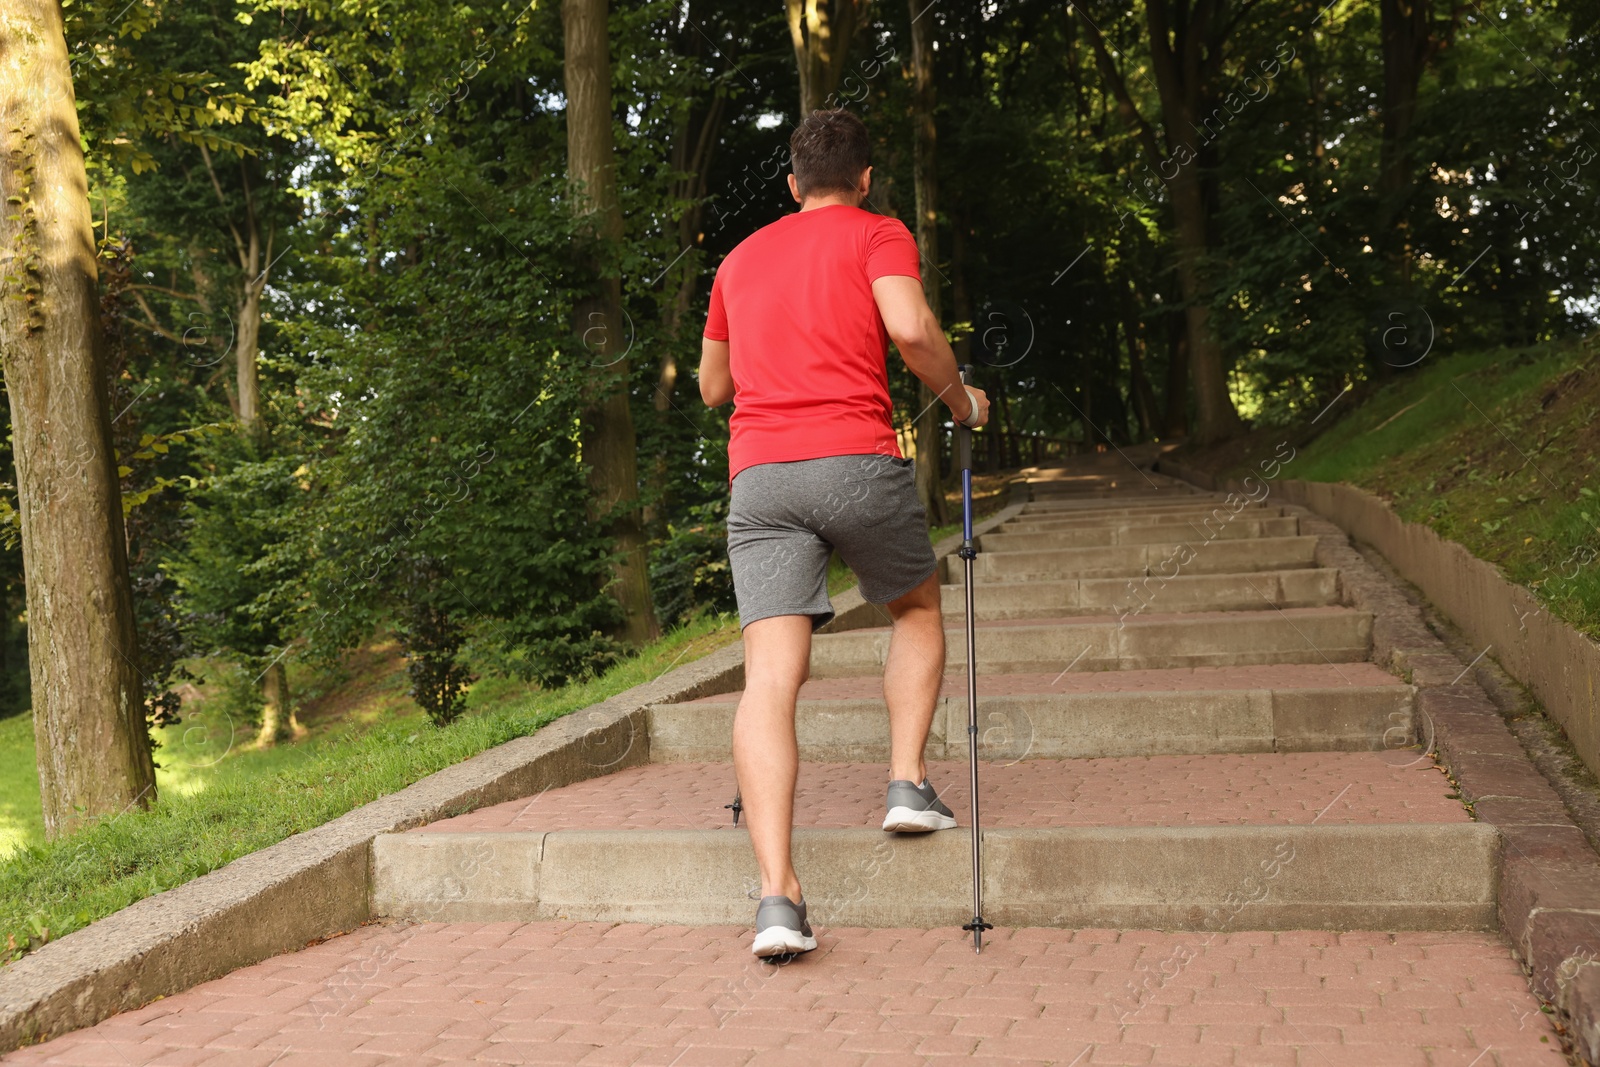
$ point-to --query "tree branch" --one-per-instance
(176, 294)
(150, 324)
(1119, 88)
(1163, 62)
(1233, 23)
(222, 200)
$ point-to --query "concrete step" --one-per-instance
(1290, 708)
(1195, 505)
(1026, 523)
(1304, 588)
(1195, 556)
(1041, 499)
(1134, 532)
(1101, 643)
(1325, 840)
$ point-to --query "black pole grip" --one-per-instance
(963, 432)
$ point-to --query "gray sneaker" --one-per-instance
(916, 809)
(781, 928)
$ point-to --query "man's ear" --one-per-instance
(794, 190)
(865, 184)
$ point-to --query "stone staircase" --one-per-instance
(1180, 728)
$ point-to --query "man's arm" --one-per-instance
(915, 331)
(716, 380)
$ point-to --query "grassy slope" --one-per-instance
(220, 799)
(20, 821)
(1499, 451)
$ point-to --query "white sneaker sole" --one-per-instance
(781, 941)
(910, 821)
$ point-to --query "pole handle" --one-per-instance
(964, 433)
(968, 550)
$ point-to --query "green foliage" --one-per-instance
(241, 570)
(457, 439)
(133, 89)
(689, 570)
(432, 638)
(237, 698)
(1493, 246)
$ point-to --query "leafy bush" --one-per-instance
(689, 571)
(431, 638)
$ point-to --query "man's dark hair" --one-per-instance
(828, 151)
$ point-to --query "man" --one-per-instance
(801, 313)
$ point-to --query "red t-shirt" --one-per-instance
(807, 347)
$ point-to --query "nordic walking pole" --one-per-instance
(968, 553)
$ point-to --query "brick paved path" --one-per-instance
(562, 993)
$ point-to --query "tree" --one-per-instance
(609, 444)
(242, 569)
(1188, 42)
(1410, 41)
(93, 752)
(697, 107)
(162, 101)
(821, 31)
(930, 422)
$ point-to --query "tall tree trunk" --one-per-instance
(92, 746)
(1215, 416)
(1086, 376)
(1406, 43)
(1411, 39)
(278, 722)
(247, 346)
(1014, 443)
(693, 146)
(606, 423)
(1139, 391)
(253, 268)
(1188, 41)
(820, 31)
(960, 294)
(929, 428)
(1176, 423)
(1184, 65)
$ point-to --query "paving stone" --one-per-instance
(998, 1006)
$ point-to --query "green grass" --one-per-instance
(1495, 450)
(220, 800)
(21, 824)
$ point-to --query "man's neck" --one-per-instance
(811, 203)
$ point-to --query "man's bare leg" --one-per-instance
(912, 676)
(777, 660)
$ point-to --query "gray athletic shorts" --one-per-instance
(786, 520)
